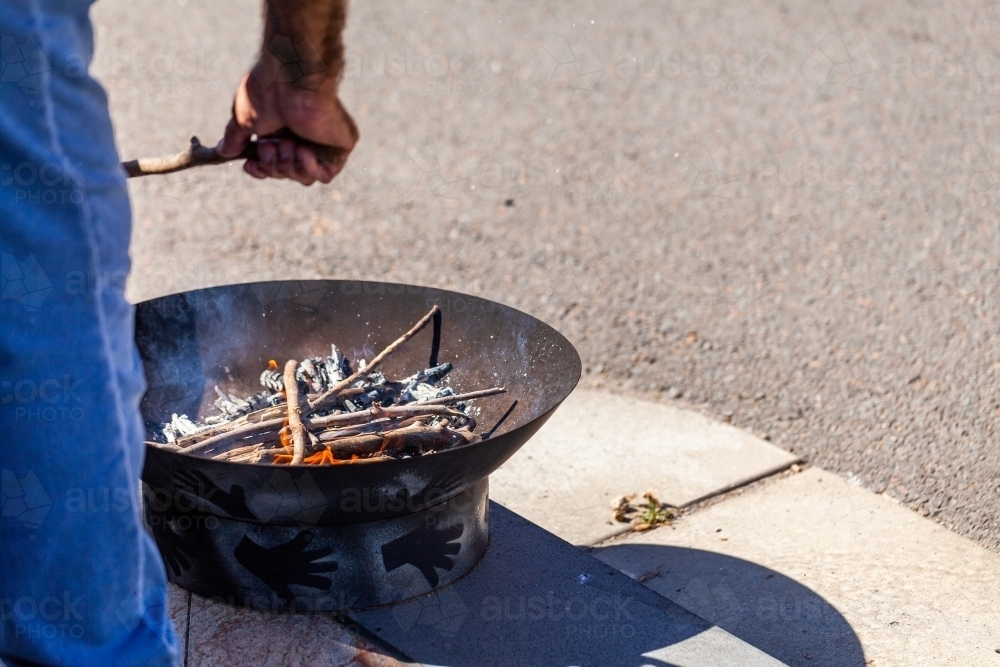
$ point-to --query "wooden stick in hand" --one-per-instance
(198, 155)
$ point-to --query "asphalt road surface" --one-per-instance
(782, 214)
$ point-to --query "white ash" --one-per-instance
(317, 374)
(231, 406)
(425, 392)
(180, 426)
(420, 386)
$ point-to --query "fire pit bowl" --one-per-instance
(323, 538)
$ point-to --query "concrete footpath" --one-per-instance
(786, 562)
(805, 566)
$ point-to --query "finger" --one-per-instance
(267, 154)
(329, 170)
(444, 563)
(253, 168)
(429, 574)
(286, 158)
(322, 566)
(235, 139)
(306, 165)
(325, 173)
(316, 554)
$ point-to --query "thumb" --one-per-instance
(235, 139)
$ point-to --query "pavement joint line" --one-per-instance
(187, 630)
(697, 503)
(770, 472)
(709, 500)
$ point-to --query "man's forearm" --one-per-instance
(303, 42)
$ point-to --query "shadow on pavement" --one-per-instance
(762, 607)
(535, 599)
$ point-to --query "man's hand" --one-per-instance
(293, 87)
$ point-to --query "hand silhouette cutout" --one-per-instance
(286, 564)
(232, 502)
(425, 548)
(437, 488)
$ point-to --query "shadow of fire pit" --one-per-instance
(762, 607)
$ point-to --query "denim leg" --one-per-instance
(81, 582)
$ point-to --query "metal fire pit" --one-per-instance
(323, 538)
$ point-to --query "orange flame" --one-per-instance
(272, 365)
(324, 457)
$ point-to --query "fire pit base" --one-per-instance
(317, 568)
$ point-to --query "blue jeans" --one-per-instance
(81, 582)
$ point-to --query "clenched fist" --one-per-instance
(263, 107)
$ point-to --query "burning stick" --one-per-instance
(169, 446)
(257, 417)
(418, 436)
(240, 452)
(461, 398)
(268, 430)
(366, 440)
(294, 406)
(391, 412)
(326, 397)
